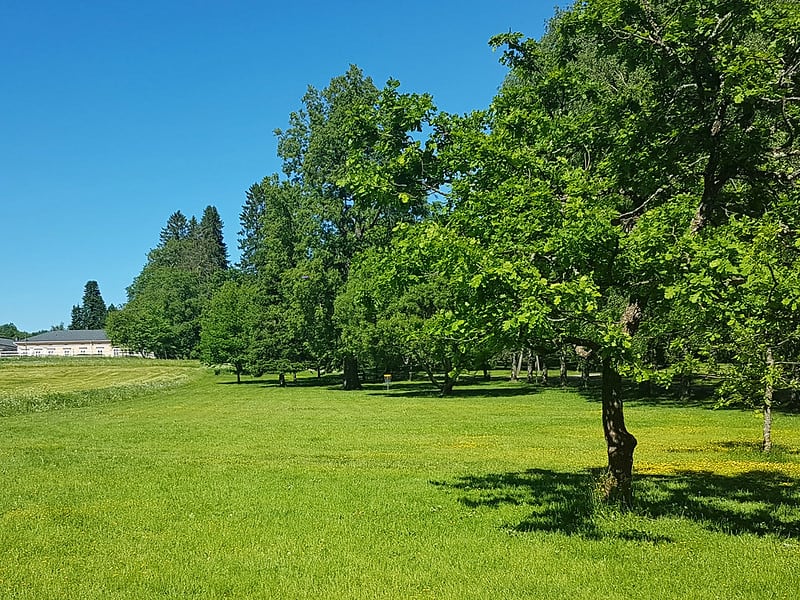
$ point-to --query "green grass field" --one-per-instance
(189, 486)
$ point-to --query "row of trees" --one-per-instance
(166, 300)
(630, 198)
(11, 332)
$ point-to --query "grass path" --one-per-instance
(212, 490)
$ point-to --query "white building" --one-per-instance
(70, 342)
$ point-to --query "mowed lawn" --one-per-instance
(201, 488)
(34, 385)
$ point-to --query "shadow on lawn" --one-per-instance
(424, 389)
(756, 502)
(700, 393)
(700, 396)
(329, 381)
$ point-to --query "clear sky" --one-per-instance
(115, 114)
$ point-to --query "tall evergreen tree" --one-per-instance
(76, 318)
(94, 307)
(177, 228)
(251, 221)
(212, 244)
(92, 313)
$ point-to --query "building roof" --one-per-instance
(69, 336)
(8, 343)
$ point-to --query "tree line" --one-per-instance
(628, 200)
(166, 300)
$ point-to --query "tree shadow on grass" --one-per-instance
(428, 390)
(645, 394)
(328, 381)
(700, 393)
(261, 382)
(469, 386)
(757, 502)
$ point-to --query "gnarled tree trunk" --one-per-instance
(619, 442)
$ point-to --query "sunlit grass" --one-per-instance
(213, 490)
(35, 385)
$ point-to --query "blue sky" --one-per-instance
(113, 115)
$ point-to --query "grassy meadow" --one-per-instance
(146, 479)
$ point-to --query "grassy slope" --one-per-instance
(36, 385)
(210, 490)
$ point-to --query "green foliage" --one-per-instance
(162, 315)
(92, 312)
(10, 331)
(743, 280)
(192, 246)
(212, 249)
(176, 229)
(165, 301)
(418, 302)
(229, 325)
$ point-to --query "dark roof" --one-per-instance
(70, 335)
(7, 343)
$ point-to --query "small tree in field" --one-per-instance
(227, 327)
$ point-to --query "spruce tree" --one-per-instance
(91, 314)
(212, 245)
(177, 228)
(251, 220)
(94, 307)
(76, 321)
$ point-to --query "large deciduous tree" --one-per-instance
(353, 152)
(628, 126)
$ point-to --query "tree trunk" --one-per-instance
(282, 379)
(351, 380)
(619, 443)
(447, 386)
(516, 365)
(563, 368)
(449, 382)
(486, 375)
(585, 372)
(545, 372)
(530, 366)
(768, 392)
